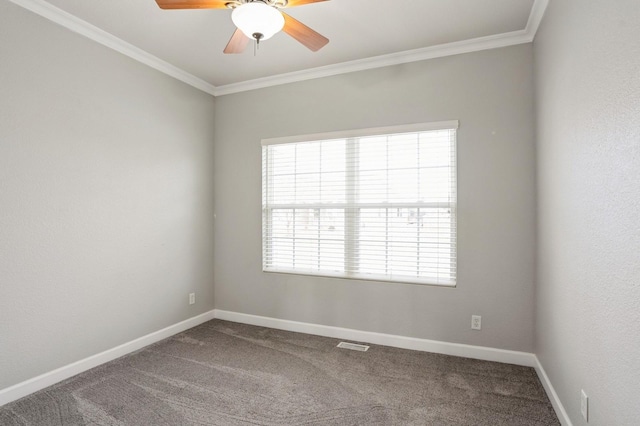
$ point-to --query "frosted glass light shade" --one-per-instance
(257, 18)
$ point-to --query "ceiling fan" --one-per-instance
(257, 20)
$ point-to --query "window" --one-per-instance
(378, 204)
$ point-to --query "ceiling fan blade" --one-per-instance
(193, 4)
(305, 35)
(238, 43)
(293, 3)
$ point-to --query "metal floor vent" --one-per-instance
(353, 346)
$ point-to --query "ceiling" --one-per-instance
(364, 34)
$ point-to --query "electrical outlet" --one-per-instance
(192, 298)
(476, 322)
(584, 405)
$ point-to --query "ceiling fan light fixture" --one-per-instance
(257, 20)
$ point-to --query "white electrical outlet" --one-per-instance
(476, 322)
(192, 298)
(584, 405)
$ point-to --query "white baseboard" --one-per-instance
(553, 396)
(47, 379)
(456, 349)
(477, 352)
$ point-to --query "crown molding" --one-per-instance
(432, 52)
(77, 25)
(535, 17)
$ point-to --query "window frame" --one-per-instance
(352, 227)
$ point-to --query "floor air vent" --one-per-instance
(353, 346)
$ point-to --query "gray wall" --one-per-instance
(588, 293)
(491, 93)
(106, 197)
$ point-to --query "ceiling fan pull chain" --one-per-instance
(256, 46)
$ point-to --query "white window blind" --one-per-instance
(378, 206)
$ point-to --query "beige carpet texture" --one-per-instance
(224, 373)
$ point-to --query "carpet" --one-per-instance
(225, 373)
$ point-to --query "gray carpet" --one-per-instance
(223, 373)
